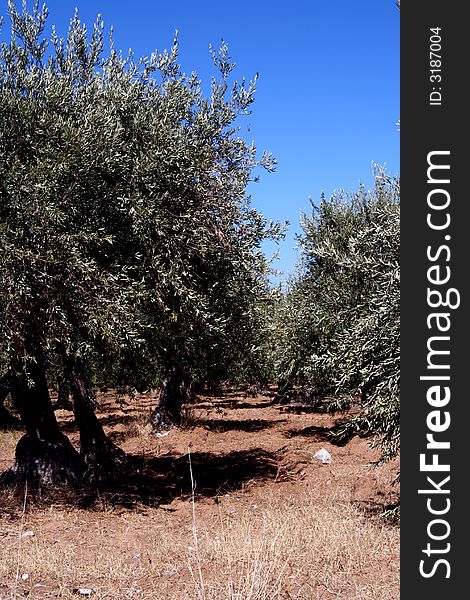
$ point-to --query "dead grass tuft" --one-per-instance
(296, 548)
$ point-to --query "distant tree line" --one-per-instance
(339, 321)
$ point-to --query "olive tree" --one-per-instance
(126, 232)
(339, 320)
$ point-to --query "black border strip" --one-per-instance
(435, 397)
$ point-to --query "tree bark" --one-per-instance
(98, 452)
(44, 456)
(174, 392)
(63, 395)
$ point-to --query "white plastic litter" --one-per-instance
(164, 434)
(27, 534)
(323, 455)
(25, 576)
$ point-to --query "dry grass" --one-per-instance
(270, 548)
(296, 547)
(301, 536)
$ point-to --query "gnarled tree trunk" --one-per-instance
(98, 452)
(44, 456)
(63, 395)
(174, 392)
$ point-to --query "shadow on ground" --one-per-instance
(111, 420)
(317, 434)
(248, 425)
(149, 481)
(232, 403)
(154, 481)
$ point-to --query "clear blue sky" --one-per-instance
(328, 94)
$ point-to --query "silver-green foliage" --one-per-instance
(340, 317)
(124, 221)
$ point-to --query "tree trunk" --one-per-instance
(98, 452)
(44, 456)
(7, 420)
(174, 392)
(63, 392)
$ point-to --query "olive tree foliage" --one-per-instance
(126, 235)
(339, 320)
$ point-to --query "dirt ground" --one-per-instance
(232, 506)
